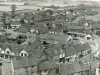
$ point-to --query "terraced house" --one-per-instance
(12, 50)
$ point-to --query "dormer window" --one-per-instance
(8, 52)
(85, 64)
(22, 54)
(25, 55)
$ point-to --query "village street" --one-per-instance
(95, 51)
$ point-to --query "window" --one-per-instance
(22, 54)
(6, 56)
(8, 52)
(85, 64)
(25, 55)
(0, 71)
(88, 63)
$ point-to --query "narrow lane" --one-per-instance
(90, 56)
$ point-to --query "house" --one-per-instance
(70, 68)
(77, 35)
(42, 30)
(73, 51)
(55, 38)
(34, 30)
(24, 29)
(25, 52)
(53, 53)
(15, 24)
(87, 48)
(70, 53)
(75, 28)
(12, 37)
(60, 17)
(45, 67)
(35, 44)
(83, 49)
(9, 50)
(24, 66)
(58, 24)
(5, 67)
(56, 31)
(2, 31)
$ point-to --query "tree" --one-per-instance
(22, 21)
(82, 21)
(13, 8)
(38, 10)
(3, 18)
(49, 12)
(19, 42)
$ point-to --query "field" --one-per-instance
(34, 5)
(8, 8)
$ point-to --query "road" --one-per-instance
(90, 56)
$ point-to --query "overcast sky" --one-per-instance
(85, 0)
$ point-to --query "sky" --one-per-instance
(84, 0)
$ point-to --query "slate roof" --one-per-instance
(73, 67)
(75, 27)
(53, 51)
(42, 30)
(78, 47)
(46, 65)
(70, 51)
(66, 69)
(12, 36)
(56, 30)
(36, 53)
(55, 37)
(23, 29)
(23, 62)
(35, 44)
(86, 46)
(16, 48)
(76, 66)
(20, 62)
(16, 22)
(52, 72)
